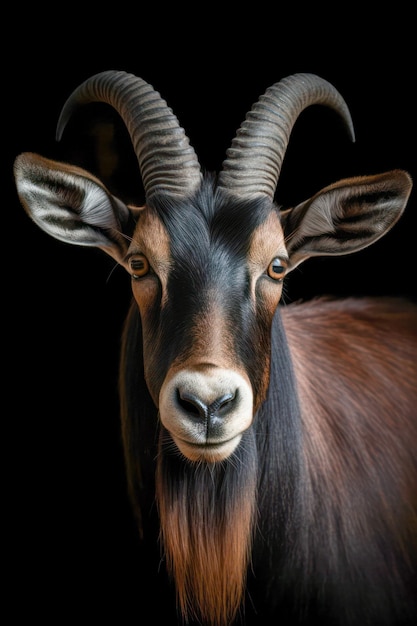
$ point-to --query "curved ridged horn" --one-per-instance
(166, 159)
(253, 161)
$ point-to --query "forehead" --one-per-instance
(210, 222)
(209, 232)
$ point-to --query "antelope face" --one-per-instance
(207, 277)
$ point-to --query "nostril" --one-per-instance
(192, 404)
(220, 403)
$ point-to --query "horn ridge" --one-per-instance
(166, 158)
(254, 160)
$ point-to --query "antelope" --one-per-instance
(276, 442)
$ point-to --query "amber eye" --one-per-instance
(277, 269)
(139, 266)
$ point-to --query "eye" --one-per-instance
(139, 266)
(277, 268)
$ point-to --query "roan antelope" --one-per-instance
(279, 442)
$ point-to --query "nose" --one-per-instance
(206, 407)
(212, 413)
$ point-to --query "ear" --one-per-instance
(72, 205)
(346, 216)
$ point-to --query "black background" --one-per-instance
(72, 535)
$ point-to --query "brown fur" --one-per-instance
(356, 368)
(207, 546)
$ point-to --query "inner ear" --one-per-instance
(345, 217)
(72, 205)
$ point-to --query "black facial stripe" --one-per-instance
(209, 238)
